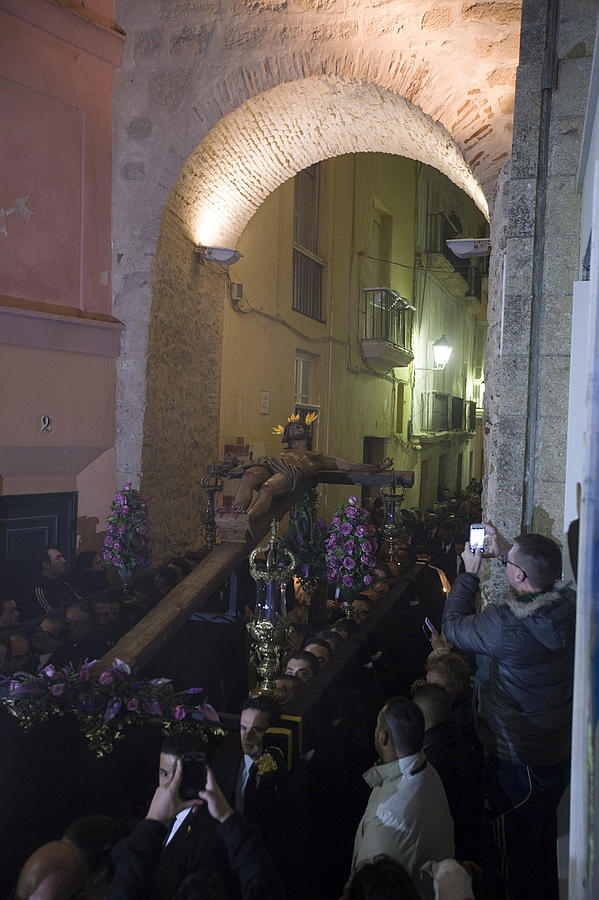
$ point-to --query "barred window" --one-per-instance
(307, 266)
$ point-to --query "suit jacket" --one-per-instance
(423, 535)
(136, 857)
(446, 560)
(195, 845)
(273, 806)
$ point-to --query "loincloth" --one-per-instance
(277, 465)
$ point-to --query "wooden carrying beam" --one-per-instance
(380, 479)
(145, 639)
(151, 633)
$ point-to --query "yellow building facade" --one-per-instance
(346, 325)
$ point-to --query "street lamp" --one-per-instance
(442, 350)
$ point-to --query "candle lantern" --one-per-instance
(393, 495)
(271, 566)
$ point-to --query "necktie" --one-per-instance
(251, 788)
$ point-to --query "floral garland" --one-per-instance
(351, 546)
(105, 706)
(306, 540)
(127, 543)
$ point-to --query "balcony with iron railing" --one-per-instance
(387, 329)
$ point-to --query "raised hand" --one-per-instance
(218, 806)
(472, 561)
(499, 544)
(166, 802)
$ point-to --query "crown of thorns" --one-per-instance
(310, 417)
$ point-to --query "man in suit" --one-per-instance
(426, 531)
(188, 841)
(191, 843)
(256, 782)
(443, 550)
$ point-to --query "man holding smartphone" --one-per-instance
(524, 644)
(137, 857)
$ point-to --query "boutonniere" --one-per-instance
(266, 764)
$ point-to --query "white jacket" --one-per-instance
(407, 817)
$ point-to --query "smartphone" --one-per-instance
(430, 626)
(477, 537)
(193, 778)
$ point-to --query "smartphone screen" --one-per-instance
(430, 626)
(193, 778)
(477, 537)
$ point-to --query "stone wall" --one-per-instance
(528, 396)
(183, 389)
(190, 63)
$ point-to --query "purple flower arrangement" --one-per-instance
(106, 705)
(351, 547)
(127, 542)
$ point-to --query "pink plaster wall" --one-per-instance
(58, 341)
(56, 72)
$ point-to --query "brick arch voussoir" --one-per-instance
(270, 137)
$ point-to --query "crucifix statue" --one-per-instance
(268, 477)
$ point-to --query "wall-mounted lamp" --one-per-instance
(442, 351)
(224, 255)
(465, 247)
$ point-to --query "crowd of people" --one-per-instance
(49, 615)
(472, 754)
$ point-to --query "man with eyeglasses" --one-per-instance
(524, 644)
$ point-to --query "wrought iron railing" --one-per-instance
(387, 317)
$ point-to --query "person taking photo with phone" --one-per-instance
(524, 646)
(251, 873)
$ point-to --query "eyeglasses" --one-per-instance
(507, 562)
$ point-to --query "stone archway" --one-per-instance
(269, 138)
(187, 66)
(266, 141)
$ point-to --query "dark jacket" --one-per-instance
(46, 596)
(141, 858)
(460, 769)
(525, 659)
(272, 805)
(445, 560)
(136, 858)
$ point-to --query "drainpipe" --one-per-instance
(548, 78)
